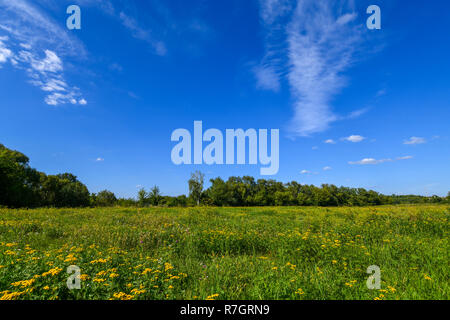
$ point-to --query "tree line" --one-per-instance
(23, 186)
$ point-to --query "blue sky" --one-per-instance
(355, 107)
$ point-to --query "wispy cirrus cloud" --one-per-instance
(372, 161)
(308, 172)
(33, 42)
(5, 53)
(142, 34)
(415, 140)
(320, 38)
(129, 22)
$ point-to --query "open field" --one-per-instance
(226, 253)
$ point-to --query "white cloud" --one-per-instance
(29, 25)
(133, 25)
(99, 159)
(51, 63)
(116, 67)
(142, 34)
(267, 78)
(315, 148)
(26, 46)
(105, 5)
(369, 161)
(36, 45)
(372, 161)
(327, 168)
(54, 85)
(330, 141)
(82, 102)
(357, 113)
(346, 18)
(404, 158)
(308, 172)
(58, 98)
(415, 140)
(5, 53)
(47, 74)
(354, 138)
(320, 45)
(271, 10)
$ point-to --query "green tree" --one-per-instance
(63, 190)
(154, 196)
(19, 184)
(142, 197)
(196, 186)
(105, 198)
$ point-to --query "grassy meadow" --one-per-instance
(226, 253)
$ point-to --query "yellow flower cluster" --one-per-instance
(212, 297)
(52, 272)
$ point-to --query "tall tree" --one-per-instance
(105, 198)
(19, 184)
(154, 196)
(142, 197)
(196, 186)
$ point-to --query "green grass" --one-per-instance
(226, 253)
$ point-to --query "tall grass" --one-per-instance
(226, 253)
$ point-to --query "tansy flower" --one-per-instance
(299, 291)
(52, 272)
(211, 297)
(23, 283)
(122, 296)
(84, 277)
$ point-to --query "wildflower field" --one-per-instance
(226, 253)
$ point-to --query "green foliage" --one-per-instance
(19, 184)
(154, 196)
(196, 186)
(63, 190)
(142, 197)
(104, 198)
(22, 186)
(226, 253)
(237, 191)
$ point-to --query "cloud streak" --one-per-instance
(372, 161)
(36, 44)
(415, 140)
(321, 40)
(142, 34)
(354, 138)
